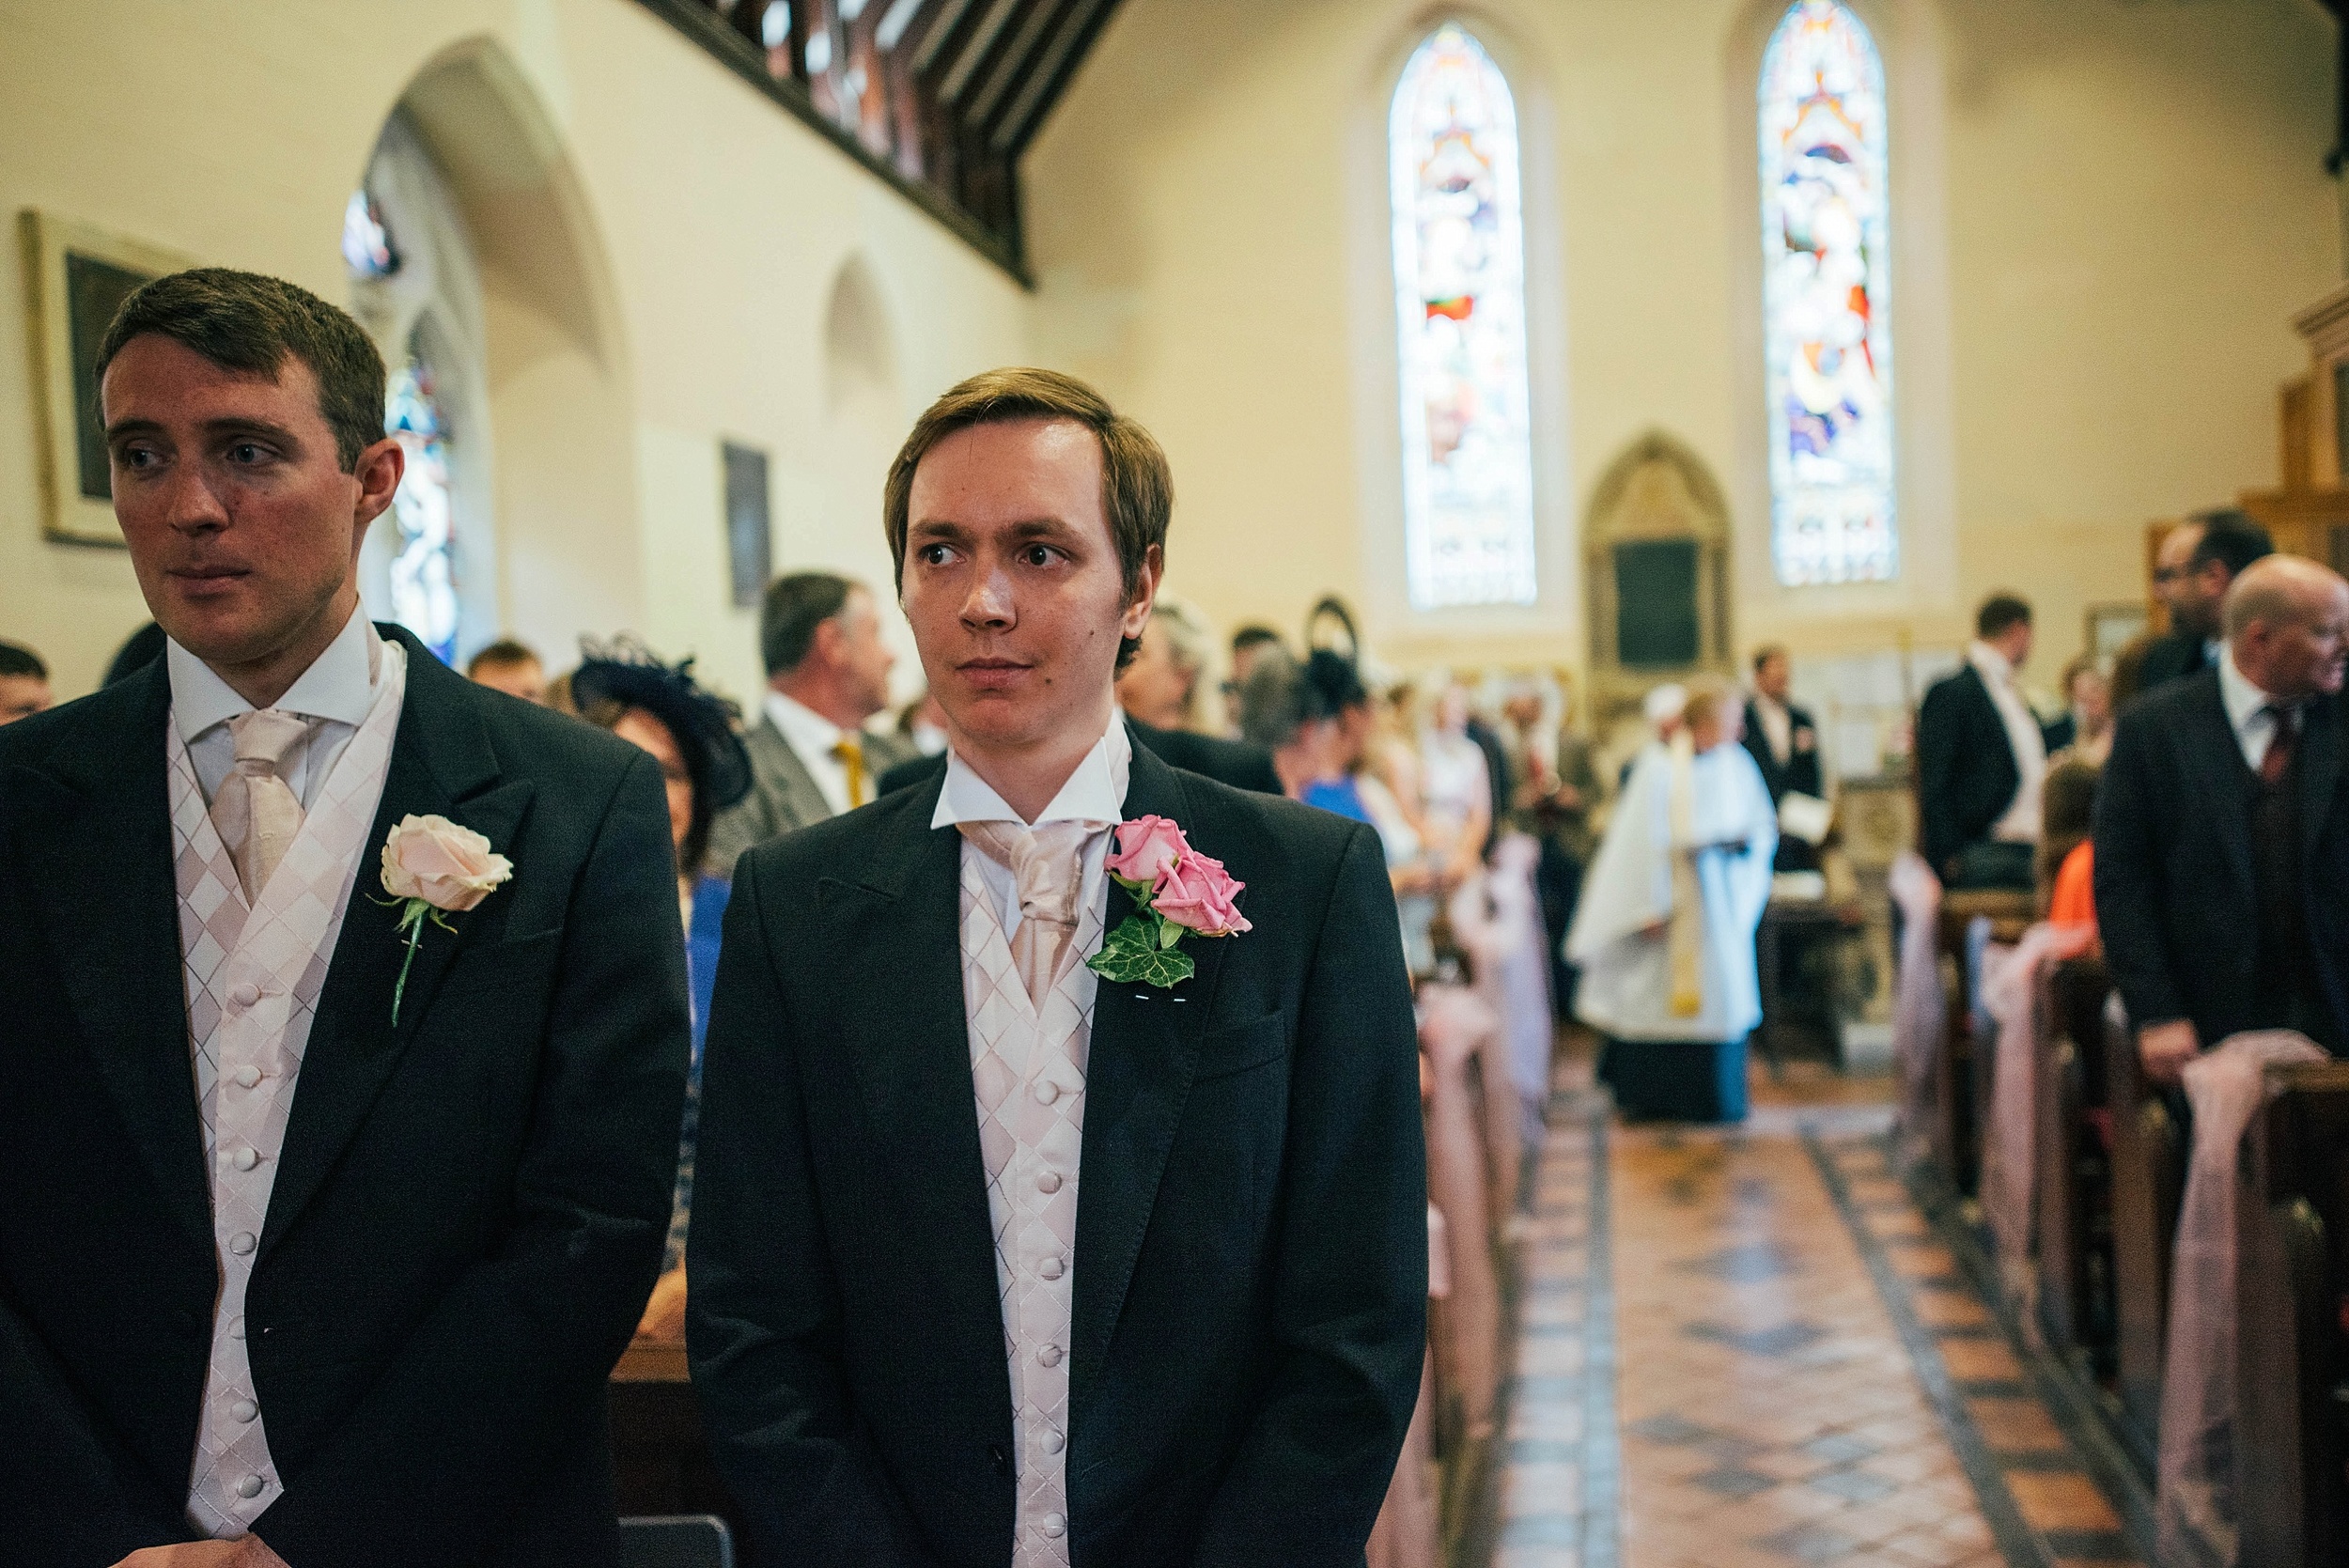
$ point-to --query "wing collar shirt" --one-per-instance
(812, 737)
(331, 696)
(2021, 824)
(1095, 793)
(1777, 727)
(2249, 713)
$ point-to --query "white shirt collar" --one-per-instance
(809, 733)
(2244, 701)
(1096, 792)
(1990, 663)
(339, 685)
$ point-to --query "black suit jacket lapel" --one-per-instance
(99, 855)
(2320, 769)
(893, 975)
(1144, 1053)
(441, 763)
(2214, 759)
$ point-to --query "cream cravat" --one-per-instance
(851, 756)
(255, 811)
(1044, 862)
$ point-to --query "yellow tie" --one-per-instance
(851, 755)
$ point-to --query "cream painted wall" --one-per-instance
(2107, 213)
(709, 227)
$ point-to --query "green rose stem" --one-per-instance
(413, 915)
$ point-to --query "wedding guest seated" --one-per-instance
(2085, 731)
(1664, 935)
(2067, 848)
(1456, 785)
(660, 709)
(1249, 643)
(23, 683)
(2219, 825)
(511, 667)
(1160, 688)
(1981, 759)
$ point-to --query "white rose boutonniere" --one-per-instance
(434, 868)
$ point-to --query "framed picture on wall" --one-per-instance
(2112, 628)
(78, 277)
(750, 552)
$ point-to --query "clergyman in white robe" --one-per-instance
(1664, 934)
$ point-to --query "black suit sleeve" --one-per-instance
(2131, 893)
(763, 1318)
(426, 1468)
(1349, 1295)
(1938, 762)
(55, 1461)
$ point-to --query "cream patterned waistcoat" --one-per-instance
(253, 982)
(1028, 1068)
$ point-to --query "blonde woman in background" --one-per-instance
(1160, 688)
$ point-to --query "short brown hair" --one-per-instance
(506, 653)
(248, 323)
(1998, 614)
(1137, 487)
(795, 606)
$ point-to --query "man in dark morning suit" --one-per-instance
(1982, 756)
(997, 1260)
(2198, 561)
(2221, 828)
(1227, 762)
(301, 1262)
(1784, 740)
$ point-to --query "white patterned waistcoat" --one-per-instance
(253, 982)
(1028, 1066)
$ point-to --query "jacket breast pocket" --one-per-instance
(1240, 1047)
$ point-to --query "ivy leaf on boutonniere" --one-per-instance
(1177, 892)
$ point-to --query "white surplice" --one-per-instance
(1626, 989)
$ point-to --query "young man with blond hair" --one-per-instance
(1059, 1195)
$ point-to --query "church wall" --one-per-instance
(708, 226)
(2105, 214)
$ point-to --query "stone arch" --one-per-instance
(553, 381)
(1655, 545)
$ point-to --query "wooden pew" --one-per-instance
(2292, 1295)
(1962, 1078)
(2074, 1168)
(661, 1457)
(2149, 1160)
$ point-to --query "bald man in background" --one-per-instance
(2221, 834)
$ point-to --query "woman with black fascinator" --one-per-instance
(691, 732)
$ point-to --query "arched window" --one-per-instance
(1459, 280)
(428, 564)
(1824, 274)
(424, 557)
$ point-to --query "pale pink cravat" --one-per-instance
(255, 810)
(1045, 862)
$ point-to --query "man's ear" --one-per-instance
(377, 471)
(1146, 592)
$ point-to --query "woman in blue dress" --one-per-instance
(691, 734)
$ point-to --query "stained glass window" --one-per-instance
(1459, 278)
(423, 572)
(1824, 271)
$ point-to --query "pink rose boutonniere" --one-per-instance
(1177, 892)
(433, 869)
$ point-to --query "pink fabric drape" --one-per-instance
(1492, 945)
(2011, 978)
(1921, 1013)
(1529, 1016)
(1454, 1024)
(2194, 1510)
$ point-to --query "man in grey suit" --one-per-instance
(827, 673)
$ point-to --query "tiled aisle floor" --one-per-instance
(1763, 1356)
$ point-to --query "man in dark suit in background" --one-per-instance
(319, 1232)
(2220, 828)
(1982, 756)
(811, 756)
(997, 1259)
(1784, 743)
(2198, 561)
